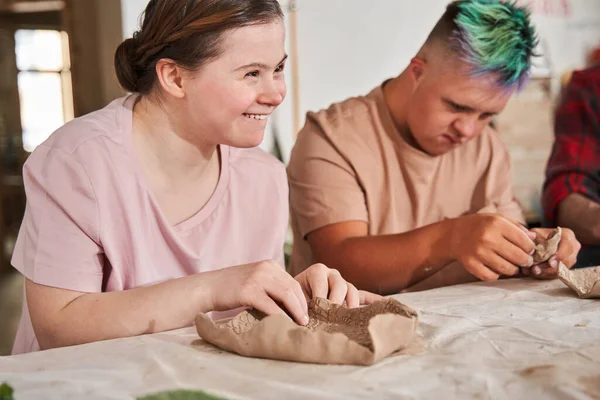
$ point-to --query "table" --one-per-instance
(501, 340)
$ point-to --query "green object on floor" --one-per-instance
(6, 392)
(179, 395)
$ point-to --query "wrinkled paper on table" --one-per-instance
(334, 334)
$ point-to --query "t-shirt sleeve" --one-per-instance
(498, 181)
(324, 188)
(58, 243)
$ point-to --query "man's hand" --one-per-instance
(490, 245)
(566, 253)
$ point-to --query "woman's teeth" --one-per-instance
(256, 116)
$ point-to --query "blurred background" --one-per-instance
(56, 63)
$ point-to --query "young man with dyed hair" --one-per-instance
(409, 186)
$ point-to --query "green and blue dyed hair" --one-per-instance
(491, 36)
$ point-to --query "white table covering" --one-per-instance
(512, 339)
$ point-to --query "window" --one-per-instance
(45, 93)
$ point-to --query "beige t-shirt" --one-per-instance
(351, 163)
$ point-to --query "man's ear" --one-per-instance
(417, 68)
(170, 77)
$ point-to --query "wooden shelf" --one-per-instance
(31, 6)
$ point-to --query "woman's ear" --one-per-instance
(170, 77)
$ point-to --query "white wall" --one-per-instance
(347, 47)
(568, 39)
(131, 10)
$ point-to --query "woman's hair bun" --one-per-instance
(125, 61)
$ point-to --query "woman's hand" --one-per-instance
(267, 287)
(264, 285)
(320, 281)
(56, 314)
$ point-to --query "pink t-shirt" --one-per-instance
(92, 224)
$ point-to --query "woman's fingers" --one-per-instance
(318, 280)
(352, 296)
(338, 287)
(267, 305)
(287, 291)
(327, 283)
(368, 297)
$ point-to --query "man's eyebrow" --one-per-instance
(260, 65)
(468, 109)
(460, 106)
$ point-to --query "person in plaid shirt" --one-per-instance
(571, 195)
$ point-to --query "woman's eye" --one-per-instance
(280, 68)
(253, 74)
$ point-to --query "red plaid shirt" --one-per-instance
(574, 165)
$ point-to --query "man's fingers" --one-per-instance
(568, 248)
(531, 235)
(520, 237)
(544, 271)
(500, 266)
(566, 253)
(480, 271)
(568, 262)
(515, 256)
(526, 271)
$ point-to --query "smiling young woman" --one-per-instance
(160, 206)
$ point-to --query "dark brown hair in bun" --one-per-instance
(189, 32)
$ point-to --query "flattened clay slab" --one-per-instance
(584, 281)
(334, 334)
(546, 248)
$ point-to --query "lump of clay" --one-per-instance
(546, 248)
(584, 281)
(334, 334)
